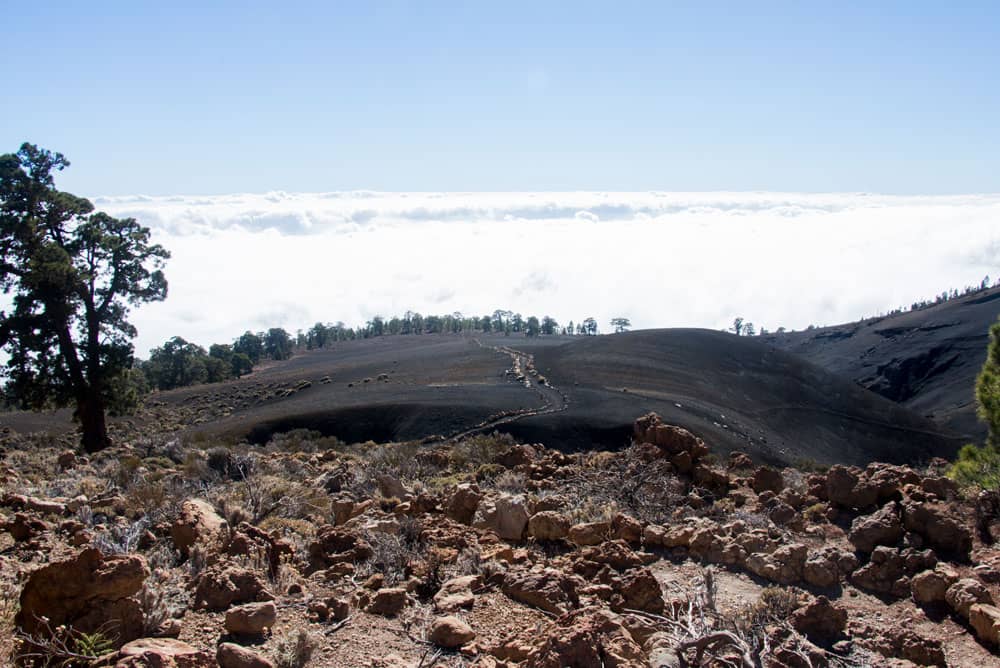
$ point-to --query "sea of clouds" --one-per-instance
(251, 261)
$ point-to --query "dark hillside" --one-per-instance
(736, 392)
(926, 360)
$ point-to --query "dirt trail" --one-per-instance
(522, 371)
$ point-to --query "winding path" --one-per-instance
(523, 371)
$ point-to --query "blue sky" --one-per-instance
(897, 98)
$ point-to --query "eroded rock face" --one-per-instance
(505, 515)
(883, 527)
(548, 525)
(588, 638)
(198, 522)
(550, 590)
(962, 595)
(938, 527)
(820, 620)
(334, 545)
(985, 619)
(846, 487)
(87, 592)
(223, 585)
(929, 587)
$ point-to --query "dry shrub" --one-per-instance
(121, 538)
(648, 491)
(472, 452)
(10, 592)
(294, 648)
(163, 597)
(510, 482)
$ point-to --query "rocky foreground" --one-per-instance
(486, 553)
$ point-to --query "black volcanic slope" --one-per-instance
(738, 393)
(735, 392)
(926, 360)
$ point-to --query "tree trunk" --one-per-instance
(90, 412)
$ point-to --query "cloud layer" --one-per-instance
(661, 259)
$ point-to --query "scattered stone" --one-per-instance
(231, 655)
(388, 602)
(251, 619)
(457, 593)
(450, 632)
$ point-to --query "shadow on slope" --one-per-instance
(926, 360)
(735, 392)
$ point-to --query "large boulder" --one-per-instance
(938, 527)
(965, 593)
(505, 515)
(637, 589)
(548, 525)
(783, 566)
(884, 574)
(462, 504)
(223, 585)
(197, 522)
(767, 479)
(845, 486)
(929, 587)
(985, 619)
(388, 602)
(589, 533)
(88, 592)
(820, 620)
(824, 567)
(550, 590)
(251, 619)
(883, 527)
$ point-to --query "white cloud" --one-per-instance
(662, 259)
